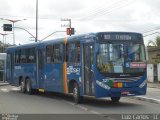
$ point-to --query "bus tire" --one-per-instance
(76, 94)
(23, 86)
(29, 89)
(115, 99)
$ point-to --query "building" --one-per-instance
(153, 54)
(153, 63)
(2, 66)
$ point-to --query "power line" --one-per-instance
(151, 34)
(151, 30)
(99, 9)
(28, 17)
(111, 8)
(118, 7)
(96, 12)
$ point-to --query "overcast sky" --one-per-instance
(86, 15)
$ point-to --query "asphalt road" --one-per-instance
(12, 101)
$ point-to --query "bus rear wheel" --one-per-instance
(76, 94)
(23, 86)
(115, 99)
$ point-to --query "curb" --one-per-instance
(3, 84)
(153, 85)
(152, 100)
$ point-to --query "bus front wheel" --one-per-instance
(76, 94)
(115, 99)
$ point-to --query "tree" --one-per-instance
(158, 41)
(155, 43)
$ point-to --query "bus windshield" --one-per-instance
(121, 58)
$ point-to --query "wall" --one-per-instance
(158, 69)
(150, 75)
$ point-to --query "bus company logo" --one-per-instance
(71, 69)
(101, 84)
(125, 75)
(17, 67)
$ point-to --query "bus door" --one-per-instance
(88, 69)
(10, 68)
(40, 68)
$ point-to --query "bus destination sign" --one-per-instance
(120, 37)
(117, 37)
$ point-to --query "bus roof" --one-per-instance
(70, 38)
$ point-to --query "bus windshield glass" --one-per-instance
(121, 58)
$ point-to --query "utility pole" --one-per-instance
(69, 20)
(69, 30)
(36, 21)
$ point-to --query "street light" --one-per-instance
(4, 39)
(24, 30)
(13, 22)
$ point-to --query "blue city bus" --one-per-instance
(103, 64)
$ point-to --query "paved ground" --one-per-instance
(12, 101)
(153, 92)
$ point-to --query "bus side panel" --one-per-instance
(53, 77)
(74, 73)
(25, 71)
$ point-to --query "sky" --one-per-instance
(86, 16)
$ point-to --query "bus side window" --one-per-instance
(19, 56)
(16, 56)
(73, 52)
(49, 51)
(27, 56)
(31, 55)
(58, 53)
(23, 56)
(54, 53)
(78, 52)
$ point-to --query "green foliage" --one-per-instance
(1, 65)
(158, 41)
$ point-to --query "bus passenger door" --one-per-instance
(88, 71)
(10, 68)
(40, 68)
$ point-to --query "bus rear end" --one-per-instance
(120, 65)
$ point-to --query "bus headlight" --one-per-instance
(143, 84)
